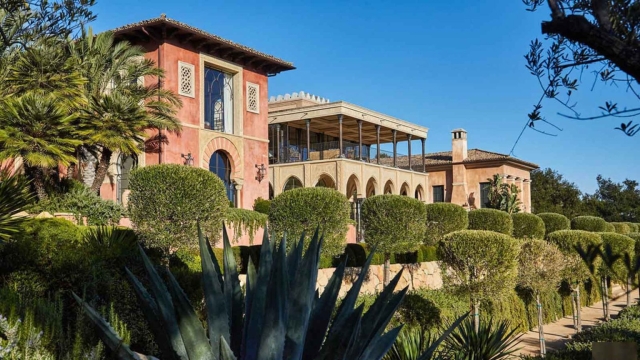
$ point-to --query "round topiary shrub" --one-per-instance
(168, 201)
(491, 220)
(620, 245)
(588, 223)
(621, 227)
(636, 236)
(527, 226)
(610, 228)
(304, 209)
(393, 223)
(554, 222)
(262, 206)
(444, 218)
(634, 227)
(566, 241)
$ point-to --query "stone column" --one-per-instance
(527, 195)
(378, 144)
(308, 138)
(395, 147)
(278, 142)
(360, 140)
(340, 135)
(409, 149)
(424, 160)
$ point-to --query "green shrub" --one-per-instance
(444, 218)
(554, 222)
(468, 252)
(262, 206)
(633, 227)
(168, 201)
(630, 312)
(618, 330)
(244, 221)
(588, 223)
(527, 226)
(491, 220)
(620, 244)
(610, 228)
(636, 236)
(621, 227)
(305, 209)
(428, 253)
(566, 241)
(393, 223)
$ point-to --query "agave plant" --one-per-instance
(419, 344)
(491, 341)
(281, 316)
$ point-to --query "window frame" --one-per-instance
(238, 91)
(483, 204)
(433, 193)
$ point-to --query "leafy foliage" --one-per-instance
(528, 226)
(14, 196)
(567, 241)
(444, 218)
(493, 340)
(167, 201)
(491, 220)
(483, 263)
(540, 266)
(615, 201)
(302, 210)
(554, 222)
(503, 196)
(551, 193)
(245, 221)
(262, 206)
(619, 245)
(588, 223)
(393, 223)
(621, 228)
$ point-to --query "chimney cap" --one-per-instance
(459, 130)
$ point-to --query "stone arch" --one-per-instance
(292, 183)
(388, 187)
(225, 145)
(404, 189)
(325, 180)
(353, 186)
(419, 193)
(372, 187)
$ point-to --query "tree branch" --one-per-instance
(578, 29)
(556, 11)
(601, 13)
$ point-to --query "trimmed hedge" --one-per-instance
(621, 227)
(527, 226)
(566, 241)
(620, 244)
(393, 223)
(636, 236)
(303, 210)
(610, 228)
(589, 223)
(444, 218)
(554, 222)
(633, 227)
(168, 201)
(491, 220)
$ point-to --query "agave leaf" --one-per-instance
(152, 314)
(336, 346)
(106, 332)
(427, 355)
(233, 294)
(301, 296)
(217, 318)
(255, 319)
(322, 306)
(165, 306)
(274, 329)
(294, 259)
(225, 350)
(193, 333)
(379, 347)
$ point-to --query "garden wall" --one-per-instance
(424, 275)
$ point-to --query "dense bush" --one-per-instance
(262, 206)
(527, 226)
(393, 223)
(566, 241)
(305, 209)
(466, 253)
(491, 220)
(589, 223)
(633, 227)
(444, 218)
(621, 227)
(168, 201)
(610, 228)
(243, 221)
(554, 222)
(620, 244)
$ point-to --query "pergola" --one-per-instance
(349, 122)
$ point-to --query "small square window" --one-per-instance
(253, 98)
(438, 194)
(186, 79)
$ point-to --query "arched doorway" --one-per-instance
(388, 188)
(419, 194)
(125, 164)
(404, 190)
(326, 181)
(292, 183)
(371, 187)
(352, 187)
(220, 165)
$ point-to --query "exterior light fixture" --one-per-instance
(188, 159)
(261, 172)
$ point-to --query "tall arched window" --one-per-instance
(292, 183)
(220, 165)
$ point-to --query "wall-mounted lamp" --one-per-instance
(262, 171)
(188, 159)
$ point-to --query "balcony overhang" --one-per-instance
(324, 119)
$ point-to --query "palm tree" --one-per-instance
(120, 107)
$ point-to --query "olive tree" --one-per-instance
(482, 264)
(393, 224)
(444, 218)
(540, 266)
(167, 201)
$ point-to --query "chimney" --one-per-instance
(459, 145)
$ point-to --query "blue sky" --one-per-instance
(440, 64)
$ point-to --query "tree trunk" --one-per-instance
(71, 171)
(578, 305)
(629, 290)
(574, 308)
(476, 316)
(101, 171)
(36, 175)
(543, 348)
(387, 261)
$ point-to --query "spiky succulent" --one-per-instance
(282, 316)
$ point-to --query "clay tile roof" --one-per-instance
(445, 158)
(163, 20)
